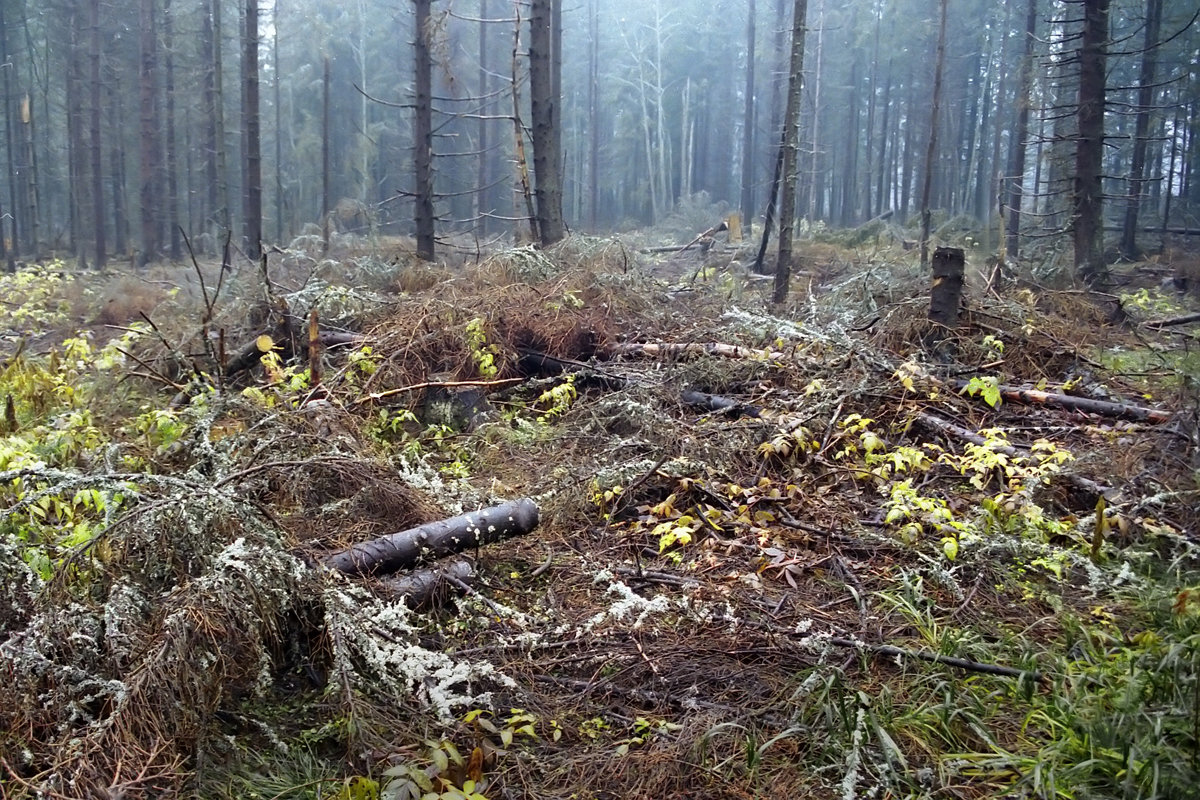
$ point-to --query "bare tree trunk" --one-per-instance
(748, 120)
(1088, 225)
(223, 210)
(483, 179)
(209, 100)
(76, 155)
(594, 115)
(932, 151)
(278, 126)
(13, 198)
(1020, 138)
(117, 164)
(423, 138)
(176, 250)
(1145, 98)
(326, 170)
(149, 132)
(252, 125)
(94, 85)
(791, 134)
(545, 110)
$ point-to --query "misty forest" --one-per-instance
(599, 399)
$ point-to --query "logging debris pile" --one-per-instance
(760, 552)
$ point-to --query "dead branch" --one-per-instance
(1168, 322)
(1087, 405)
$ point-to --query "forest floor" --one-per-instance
(819, 550)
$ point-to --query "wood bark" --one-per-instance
(252, 135)
(172, 154)
(423, 134)
(428, 587)
(931, 152)
(99, 242)
(545, 113)
(435, 539)
(14, 205)
(791, 137)
(1145, 100)
(1088, 220)
(147, 75)
(949, 264)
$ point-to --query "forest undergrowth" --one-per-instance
(810, 551)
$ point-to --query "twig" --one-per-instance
(498, 384)
(891, 651)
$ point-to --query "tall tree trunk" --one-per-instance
(94, 85)
(252, 125)
(816, 181)
(326, 158)
(1019, 141)
(278, 126)
(593, 115)
(117, 164)
(209, 100)
(423, 138)
(1088, 225)
(172, 209)
(545, 110)
(787, 201)
(932, 151)
(14, 204)
(1145, 98)
(483, 178)
(77, 171)
(147, 69)
(223, 207)
(748, 120)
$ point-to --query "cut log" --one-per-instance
(1104, 408)
(436, 539)
(426, 587)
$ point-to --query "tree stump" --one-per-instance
(945, 297)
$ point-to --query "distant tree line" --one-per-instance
(132, 124)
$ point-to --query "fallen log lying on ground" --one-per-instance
(933, 423)
(436, 539)
(429, 586)
(1104, 408)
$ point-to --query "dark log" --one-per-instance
(1104, 408)
(715, 402)
(427, 587)
(436, 539)
(945, 298)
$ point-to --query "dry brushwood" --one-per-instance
(464, 532)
